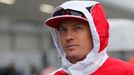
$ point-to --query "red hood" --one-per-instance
(101, 25)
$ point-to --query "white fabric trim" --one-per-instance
(79, 5)
(55, 71)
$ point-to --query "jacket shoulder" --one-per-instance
(115, 66)
(120, 65)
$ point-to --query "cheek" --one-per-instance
(86, 42)
(62, 40)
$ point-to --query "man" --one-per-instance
(80, 32)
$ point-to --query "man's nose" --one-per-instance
(69, 35)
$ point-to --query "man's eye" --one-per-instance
(78, 28)
(62, 30)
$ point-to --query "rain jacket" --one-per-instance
(97, 62)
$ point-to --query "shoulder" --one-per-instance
(118, 64)
(114, 66)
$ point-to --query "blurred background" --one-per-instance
(26, 45)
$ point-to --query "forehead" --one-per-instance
(71, 22)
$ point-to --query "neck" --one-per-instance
(74, 60)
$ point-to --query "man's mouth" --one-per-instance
(71, 46)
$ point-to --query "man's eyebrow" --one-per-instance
(61, 26)
(78, 24)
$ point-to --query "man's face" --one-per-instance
(76, 39)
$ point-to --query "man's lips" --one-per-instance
(71, 46)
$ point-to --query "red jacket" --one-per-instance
(112, 66)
